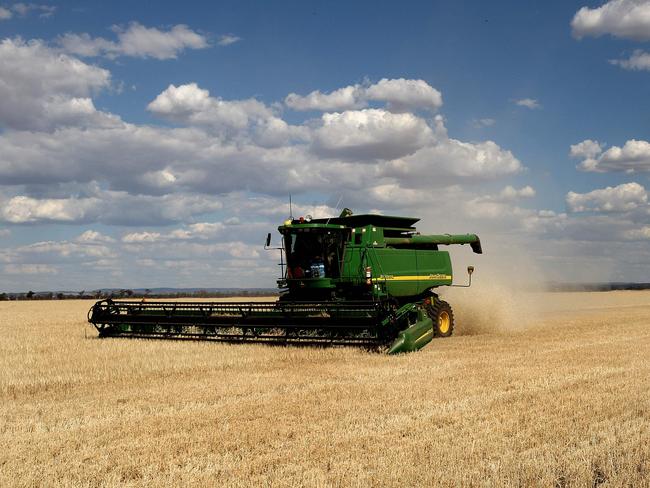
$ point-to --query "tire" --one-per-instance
(443, 319)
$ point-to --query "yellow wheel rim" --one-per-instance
(444, 322)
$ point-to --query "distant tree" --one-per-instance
(3, 296)
(29, 295)
(60, 296)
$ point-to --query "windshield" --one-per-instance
(313, 253)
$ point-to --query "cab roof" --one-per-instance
(369, 219)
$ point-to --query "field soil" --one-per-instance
(552, 389)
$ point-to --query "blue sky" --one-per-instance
(155, 145)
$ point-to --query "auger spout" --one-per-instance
(434, 240)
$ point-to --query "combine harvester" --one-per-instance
(353, 280)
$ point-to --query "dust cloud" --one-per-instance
(489, 308)
(505, 297)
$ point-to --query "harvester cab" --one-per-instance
(353, 279)
(373, 257)
(313, 254)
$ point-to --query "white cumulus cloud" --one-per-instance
(22, 209)
(629, 19)
(638, 61)
(586, 149)
(370, 134)
(346, 98)
(250, 118)
(198, 231)
(510, 193)
(634, 156)
(130, 174)
(403, 95)
(136, 40)
(136, 237)
(621, 198)
(24, 9)
(109, 207)
(530, 103)
(193, 105)
(42, 88)
(399, 95)
(446, 160)
(228, 39)
(92, 236)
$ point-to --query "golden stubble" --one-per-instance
(562, 401)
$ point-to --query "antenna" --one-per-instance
(337, 206)
(290, 210)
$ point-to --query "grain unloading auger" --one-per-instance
(354, 279)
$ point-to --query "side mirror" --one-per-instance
(268, 240)
(470, 269)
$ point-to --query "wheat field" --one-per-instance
(556, 393)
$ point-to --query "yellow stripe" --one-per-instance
(426, 333)
(413, 277)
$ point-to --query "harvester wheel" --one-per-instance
(443, 319)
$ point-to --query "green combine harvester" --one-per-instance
(365, 280)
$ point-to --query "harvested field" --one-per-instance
(562, 400)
